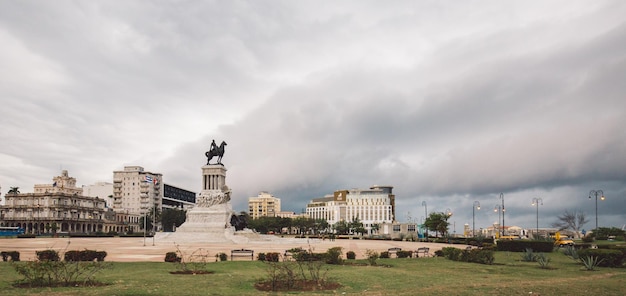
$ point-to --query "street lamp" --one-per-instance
(425, 217)
(475, 207)
(596, 193)
(503, 210)
(498, 208)
(536, 202)
(448, 212)
(144, 227)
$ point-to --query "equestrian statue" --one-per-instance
(215, 151)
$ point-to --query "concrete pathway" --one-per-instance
(124, 249)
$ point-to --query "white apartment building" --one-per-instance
(264, 205)
(371, 206)
(136, 191)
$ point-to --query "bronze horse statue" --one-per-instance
(215, 151)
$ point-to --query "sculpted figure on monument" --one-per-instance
(215, 151)
(211, 198)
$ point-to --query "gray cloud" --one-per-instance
(444, 101)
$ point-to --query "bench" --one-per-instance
(394, 251)
(241, 253)
(423, 251)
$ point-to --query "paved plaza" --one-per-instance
(125, 249)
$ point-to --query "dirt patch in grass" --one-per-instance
(193, 272)
(300, 285)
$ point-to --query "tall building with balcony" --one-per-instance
(371, 206)
(136, 191)
(263, 205)
(56, 207)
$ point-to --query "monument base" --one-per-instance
(206, 224)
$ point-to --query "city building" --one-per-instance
(178, 198)
(56, 207)
(102, 190)
(136, 191)
(372, 206)
(264, 205)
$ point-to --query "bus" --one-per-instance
(10, 231)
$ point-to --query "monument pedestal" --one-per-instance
(214, 219)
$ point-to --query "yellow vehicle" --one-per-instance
(562, 241)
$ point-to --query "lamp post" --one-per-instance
(536, 202)
(145, 214)
(503, 210)
(475, 207)
(425, 217)
(449, 213)
(596, 193)
(498, 208)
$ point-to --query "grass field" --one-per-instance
(415, 276)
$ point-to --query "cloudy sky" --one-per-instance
(450, 102)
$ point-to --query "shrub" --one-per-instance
(439, 253)
(372, 256)
(170, 257)
(272, 257)
(384, 254)
(85, 255)
(542, 260)
(529, 256)
(522, 245)
(591, 262)
(404, 254)
(333, 255)
(260, 256)
(47, 255)
(351, 255)
(222, 256)
(474, 255)
(607, 258)
(14, 255)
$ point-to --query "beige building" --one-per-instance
(56, 207)
(136, 191)
(371, 206)
(264, 205)
(102, 190)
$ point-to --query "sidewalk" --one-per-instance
(124, 249)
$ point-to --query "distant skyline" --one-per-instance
(449, 102)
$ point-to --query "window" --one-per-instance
(396, 228)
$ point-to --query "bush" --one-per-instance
(85, 255)
(272, 257)
(372, 256)
(333, 255)
(170, 257)
(260, 256)
(47, 255)
(522, 245)
(384, 254)
(439, 253)
(607, 258)
(351, 255)
(14, 255)
(474, 255)
(404, 254)
(222, 256)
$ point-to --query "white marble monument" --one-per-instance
(209, 220)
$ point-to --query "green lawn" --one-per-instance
(421, 276)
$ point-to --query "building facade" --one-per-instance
(263, 205)
(102, 190)
(56, 207)
(136, 191)
(371, 206)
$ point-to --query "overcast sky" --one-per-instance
(450, 102)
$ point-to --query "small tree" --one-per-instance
(437, 222)
(571, 220)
